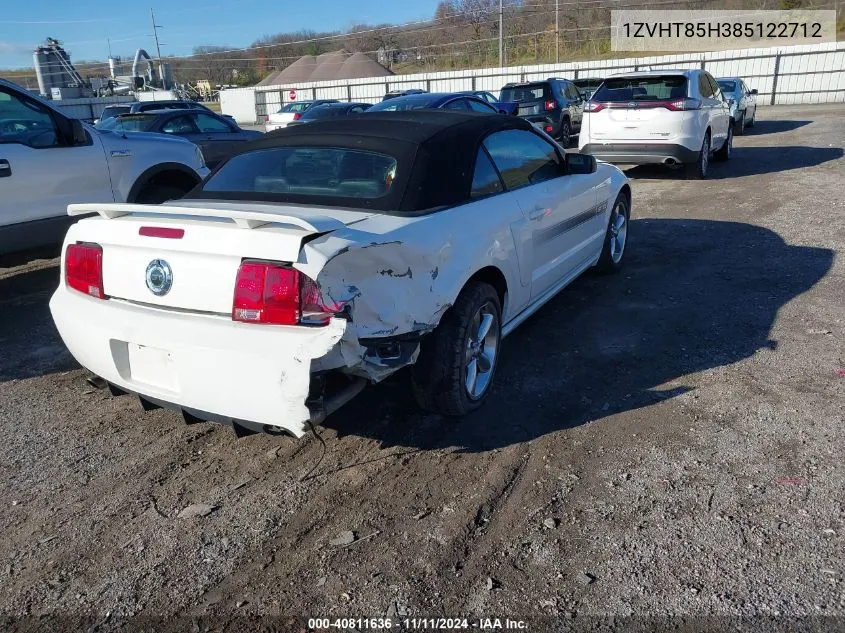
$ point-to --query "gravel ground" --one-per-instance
(661, 443)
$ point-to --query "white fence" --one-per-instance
(782, 75)
(89, 108)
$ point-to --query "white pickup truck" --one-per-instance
(48, 161)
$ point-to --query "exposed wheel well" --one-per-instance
(626, 191)
(170, 179)
(493, 276)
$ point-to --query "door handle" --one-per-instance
(5, 168)
(537, 214)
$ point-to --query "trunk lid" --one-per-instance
(206, 244)
(650, 123)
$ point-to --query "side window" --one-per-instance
(457, 104)
(717, 92)
(26, 122)
(485, 180)
(207, 123)
(704, 86)
(179, 125)
(357, 109)
(572, 91)
(476, 106)
(523, 158)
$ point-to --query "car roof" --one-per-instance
(435, 151)
(173, 111)
(656, 73)
(728, 79)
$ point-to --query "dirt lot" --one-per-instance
(663, 442)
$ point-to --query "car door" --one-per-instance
(39, 174)
(477, 105)
(560, 209)
(751, 100)
(575, 105)
(461, 105)
(218, 138)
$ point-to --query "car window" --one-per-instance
(528, 92)
(457, 104)
(26, 122)
(207, 123)
(356, 109)
(717, 92)
(295, 107)
(127, 123)
(651, 88)
(485, 179)
(477, 106)
(523, 158)
(180, 125)
(110, 111)
(727, 86)
(704, 87)
(307, 171)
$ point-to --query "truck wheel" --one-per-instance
(457, 362)
(169, 185)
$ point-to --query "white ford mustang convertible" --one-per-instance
(327, 256)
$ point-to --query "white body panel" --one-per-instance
(398, 274)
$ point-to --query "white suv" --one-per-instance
(673, 117)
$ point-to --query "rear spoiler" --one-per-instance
(243, 219)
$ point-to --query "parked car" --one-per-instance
(330, 110)
(588, 85)
(553, 105)
(403, 93)
(460, 101)
(291, 112)
(146, 106)
(341, 251)
(742, 102)
(48, 161)
(217, 136)
(505, 107)
(673, 117)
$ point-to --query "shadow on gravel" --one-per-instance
(694, 294)
(29, 343)
(773, 127)
(748, 161)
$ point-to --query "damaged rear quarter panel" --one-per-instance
(399, 275)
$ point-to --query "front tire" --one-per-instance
(565, 136)
(753, 117)
(457, 362)
(616, 237)
(698, 169)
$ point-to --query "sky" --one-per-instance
(83, 26)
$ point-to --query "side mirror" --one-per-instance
(580, 163)
(754, 91)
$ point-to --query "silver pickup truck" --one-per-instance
(48, 161)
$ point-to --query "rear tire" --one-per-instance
(152, 194)
(753, 116)
(565, 135)
(724, 152)
(698, 169)
(460, 353)
(739, 124)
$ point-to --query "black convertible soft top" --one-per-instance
(435, 152)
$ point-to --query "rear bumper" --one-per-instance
(640, 153)
(205, 365)
(269, 127)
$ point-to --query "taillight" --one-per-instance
(550, 105)
(684, 104)
(275, 294)
(162, 231)
(297, 116)
(594, 106)
(266, 118)
(84, 269)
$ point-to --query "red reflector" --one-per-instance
(550, 105)
(84, 269)
(161, 231)
(266, 293)
(549, 128)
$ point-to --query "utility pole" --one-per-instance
(158, 48)
(557, 32)
(501, 36)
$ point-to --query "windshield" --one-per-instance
(657, 88)
(127, 123)
(111, 111)
(727, 86)
(306, 171)
(528, 92)
(414, 102)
